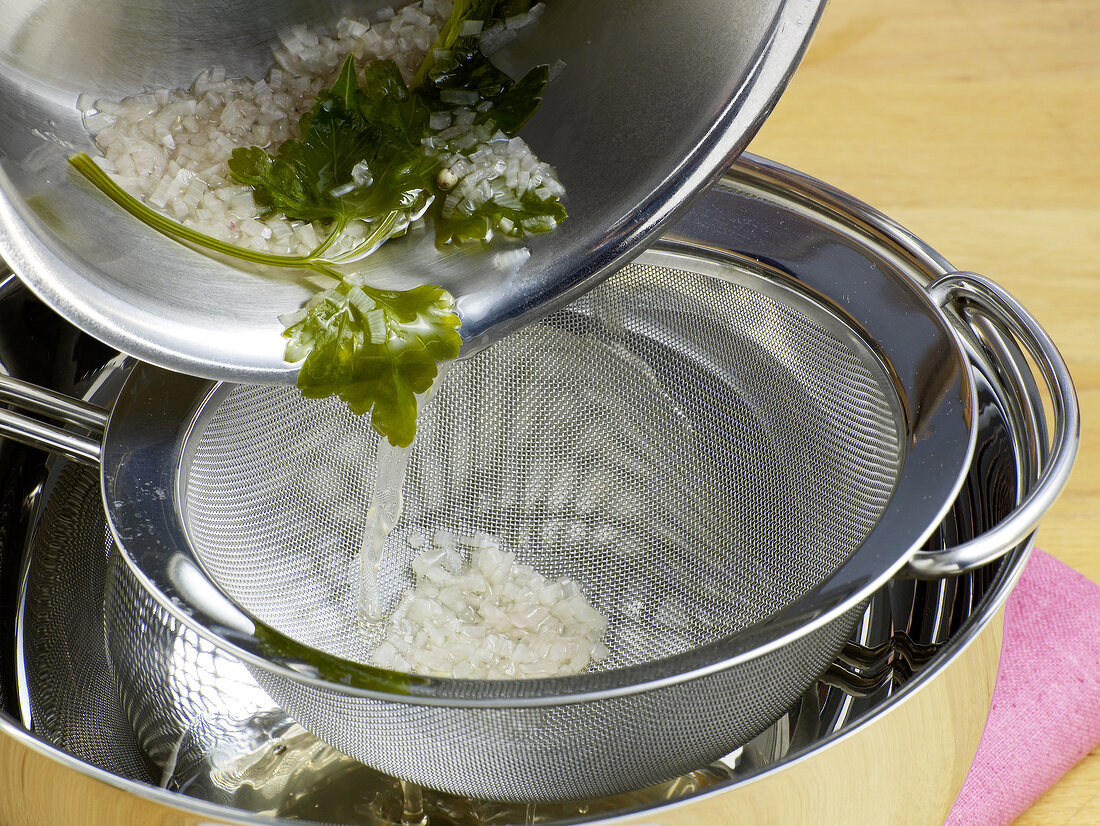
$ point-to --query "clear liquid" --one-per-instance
(382, 514)
(391, 466)
(290, 774)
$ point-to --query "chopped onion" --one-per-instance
(461, 97)
(489, 618)
(439, 120)
(197, 129)
(170, 148)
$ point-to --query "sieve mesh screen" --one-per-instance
(697, 452)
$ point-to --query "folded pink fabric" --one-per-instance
(1045, 714)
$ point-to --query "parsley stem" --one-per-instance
(450, 32)
(173, 229)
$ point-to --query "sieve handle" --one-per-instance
(969, 294)
(51, 437)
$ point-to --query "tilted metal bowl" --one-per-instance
(652, 103)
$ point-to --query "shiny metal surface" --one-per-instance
(55, 437)
(632, 125)
(911, 757)
(211, 734)
(934, 721)
(151, 422)
(984, 298)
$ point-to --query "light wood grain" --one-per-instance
(976, 124)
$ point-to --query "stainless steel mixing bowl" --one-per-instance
(653, 102)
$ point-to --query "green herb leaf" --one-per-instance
(360, 155)
(457, 62)
(514, 105)
(376, 350)
(346, 85)
(450, 34)
(280, 647)
(528, 216)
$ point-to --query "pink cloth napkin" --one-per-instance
(1045, 714)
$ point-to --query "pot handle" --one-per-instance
(966, 292)
(51, 437)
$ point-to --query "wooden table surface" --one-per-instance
(976, 125)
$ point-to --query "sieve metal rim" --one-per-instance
(162, 562)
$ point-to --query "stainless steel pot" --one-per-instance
(177, 492)
(811, 772)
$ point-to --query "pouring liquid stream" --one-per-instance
(382, 514)
(391, 467)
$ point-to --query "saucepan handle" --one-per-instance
(965, 296)
(55, 438)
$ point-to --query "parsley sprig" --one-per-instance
(376, 350)
(360, 157)
(365, 155)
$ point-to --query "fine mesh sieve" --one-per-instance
(695, 446)
(714, 451)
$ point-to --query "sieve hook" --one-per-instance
(53, 438)
(968, 293)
